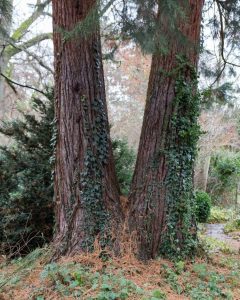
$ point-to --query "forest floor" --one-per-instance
(90, 276)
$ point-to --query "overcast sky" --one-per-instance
(23, 9)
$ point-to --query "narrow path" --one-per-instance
(216, 231)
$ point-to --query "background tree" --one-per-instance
(223, 181)
(86, 189)
(17, 40)
(5, 13)
(219, 132)
(25, 55)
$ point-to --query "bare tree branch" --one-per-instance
(222, 35)
(39, 60)
(24, 26)
(13, 49)
(11, 82)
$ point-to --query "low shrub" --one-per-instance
(203, 206)
(73, 279)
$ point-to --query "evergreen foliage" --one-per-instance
(5, 17)
(90, 23)
(140, 24)
(222, 19)
(203, 206)
(224, 176)
(228, 20)
(221, 95)
(124, 158)
(5, 10)
(26, 191)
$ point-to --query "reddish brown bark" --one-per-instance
(148, 207)
(81, 116)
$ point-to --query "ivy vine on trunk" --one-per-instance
(86, 189)
(161, 200)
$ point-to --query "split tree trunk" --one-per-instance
(86, 190)
(149, 215)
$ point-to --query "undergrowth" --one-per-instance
(213, 245)
(89, 277)
(232, 226)
(220, 215)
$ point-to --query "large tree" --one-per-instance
(161, 197)
(86, 190)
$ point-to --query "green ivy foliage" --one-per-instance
(91, 185)
(203, 206)
(180, 237)
(26, 191)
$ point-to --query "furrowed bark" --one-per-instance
(86, 189)
(148, 212)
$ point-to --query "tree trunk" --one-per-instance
(3, 66)
(161, 196)
(4, 59)
(86, 190)
(201, 172)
